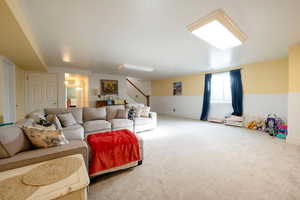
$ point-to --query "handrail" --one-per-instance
(138, 89)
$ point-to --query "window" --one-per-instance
(220, 88)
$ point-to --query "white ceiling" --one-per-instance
(102, 34)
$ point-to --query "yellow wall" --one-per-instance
(192, 85)
(20, 93)
(294, 68)
(268, 77)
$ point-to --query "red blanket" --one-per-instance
(112, 149)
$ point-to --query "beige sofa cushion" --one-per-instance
(76, 112)
(12, 141)
(112, 111)
(40, 155)
(122, 114)
(121, 123)
(75, 132)
(142, 121)
(96, 125)
(90, 114)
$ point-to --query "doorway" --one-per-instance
(76, 90)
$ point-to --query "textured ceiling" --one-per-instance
(102, 34)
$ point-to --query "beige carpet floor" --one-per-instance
(189, 159)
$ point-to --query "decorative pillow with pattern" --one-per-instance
(45, 137)
(54, 119)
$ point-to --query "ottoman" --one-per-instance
(114, 150)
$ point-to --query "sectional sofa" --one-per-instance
(16, 151)
(95, 120)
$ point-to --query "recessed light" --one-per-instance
(135, 67)
(67, 57)
(218, 30)
(66, 82)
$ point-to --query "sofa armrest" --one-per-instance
(39, 155)
(153, 116)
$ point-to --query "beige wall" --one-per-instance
(1, 92)
(192, 85)
(294, 95)
(294, 68)
(268, 77)
(20, 93)
(16, 43)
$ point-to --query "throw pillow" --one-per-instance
(76, 112)
(44, 138)
(67, 119)
(54, 119)
(113, 110)
(138, 112)
(131, 114)
(145, 111)
(122, 114)
(36, 115)
(12, 141)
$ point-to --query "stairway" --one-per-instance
(135, 93)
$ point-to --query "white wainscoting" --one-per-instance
(255, 105)
(260, 105)
(185, 106)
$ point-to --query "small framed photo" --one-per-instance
(177, 89)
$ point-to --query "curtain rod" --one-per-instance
(227, 70)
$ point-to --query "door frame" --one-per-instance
(27, 74)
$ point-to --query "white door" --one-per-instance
(9, 100)
(41, 91)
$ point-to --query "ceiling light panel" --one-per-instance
(138, 68)
(218, 30)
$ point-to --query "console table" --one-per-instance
(102, 103)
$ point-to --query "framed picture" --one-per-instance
(109, 87)
(177, 89)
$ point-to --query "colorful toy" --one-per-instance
(275, 125)
(282, 129)
(256, 125)
(272, 124)
(281, 136)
